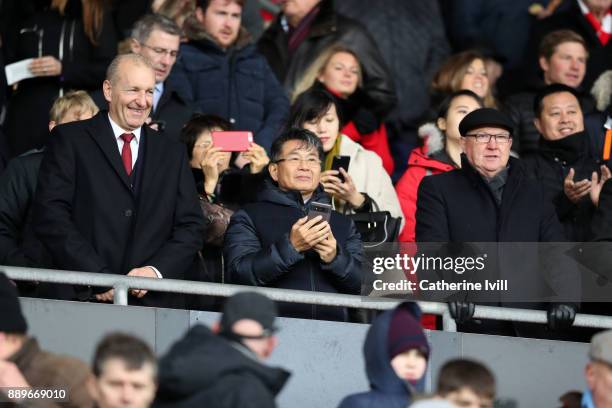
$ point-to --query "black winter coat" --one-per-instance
(236, 84)
(258, 252)
(206, 370)
(549, 168)
(18, 244)
(459, 207)
(329, 28)
(83, 67)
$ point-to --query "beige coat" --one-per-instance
(370, 177)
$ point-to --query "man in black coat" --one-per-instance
(157, 38)
(563, 164)
(224, 368)
(490, 199)
(113, 196)
(273, 243)
(307, 27)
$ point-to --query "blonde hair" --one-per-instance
(71, 100)
(449, 77)
(318, 66)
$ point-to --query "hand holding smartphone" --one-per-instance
(341, 161)
(322, 209)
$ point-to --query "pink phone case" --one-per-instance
(232, 141)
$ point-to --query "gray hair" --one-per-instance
(113, 68)
(144, 27)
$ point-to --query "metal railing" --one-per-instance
(122, 284)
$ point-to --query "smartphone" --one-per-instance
(341, 161)
(322, 209)
(232, 141)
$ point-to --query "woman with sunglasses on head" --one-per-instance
(339, 71)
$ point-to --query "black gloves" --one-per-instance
(561, 316)
(461, 311)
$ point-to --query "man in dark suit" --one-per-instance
(491, 199)
(157, 38)
(115, 197)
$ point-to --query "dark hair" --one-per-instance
(550, 42)
(131, 350)
(308, 139)
(464, 373)
(549, 90)
(310, 106)
(448, 99)
(145, 25)
(203, 4)
(199, 123)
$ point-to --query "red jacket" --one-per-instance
(375, 141)
(420, 164)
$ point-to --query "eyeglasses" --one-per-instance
(162, 51)
(486, 137)
(294, 161)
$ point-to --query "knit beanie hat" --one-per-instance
(405, 333)
(12, 320)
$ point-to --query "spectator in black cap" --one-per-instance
(24, 365)
(563, 163)
(224, 367)
(490, 199)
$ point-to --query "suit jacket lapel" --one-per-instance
(153, 154)
(102, 133)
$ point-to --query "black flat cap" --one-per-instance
(485, 117)
(249, 305)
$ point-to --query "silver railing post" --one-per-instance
(121, 294)
(448, 323)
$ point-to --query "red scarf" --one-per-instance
(603, 36)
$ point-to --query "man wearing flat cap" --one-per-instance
(598, 372)
(490, 199)
(224, 367)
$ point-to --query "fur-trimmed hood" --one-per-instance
(433, 138)
(602, 91)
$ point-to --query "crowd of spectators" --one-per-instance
(109, 164)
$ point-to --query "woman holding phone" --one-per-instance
(224, 180)
(365, 181)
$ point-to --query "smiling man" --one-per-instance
(491, 199)
(113, 196)
(221, 72)
(563, 164)
(273, 243)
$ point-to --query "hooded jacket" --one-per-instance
(424, 161)
(258, 252)
(236, 84)
(204, 369)
(387, 390)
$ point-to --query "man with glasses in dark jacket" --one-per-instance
(274, 243)
(490, 199)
